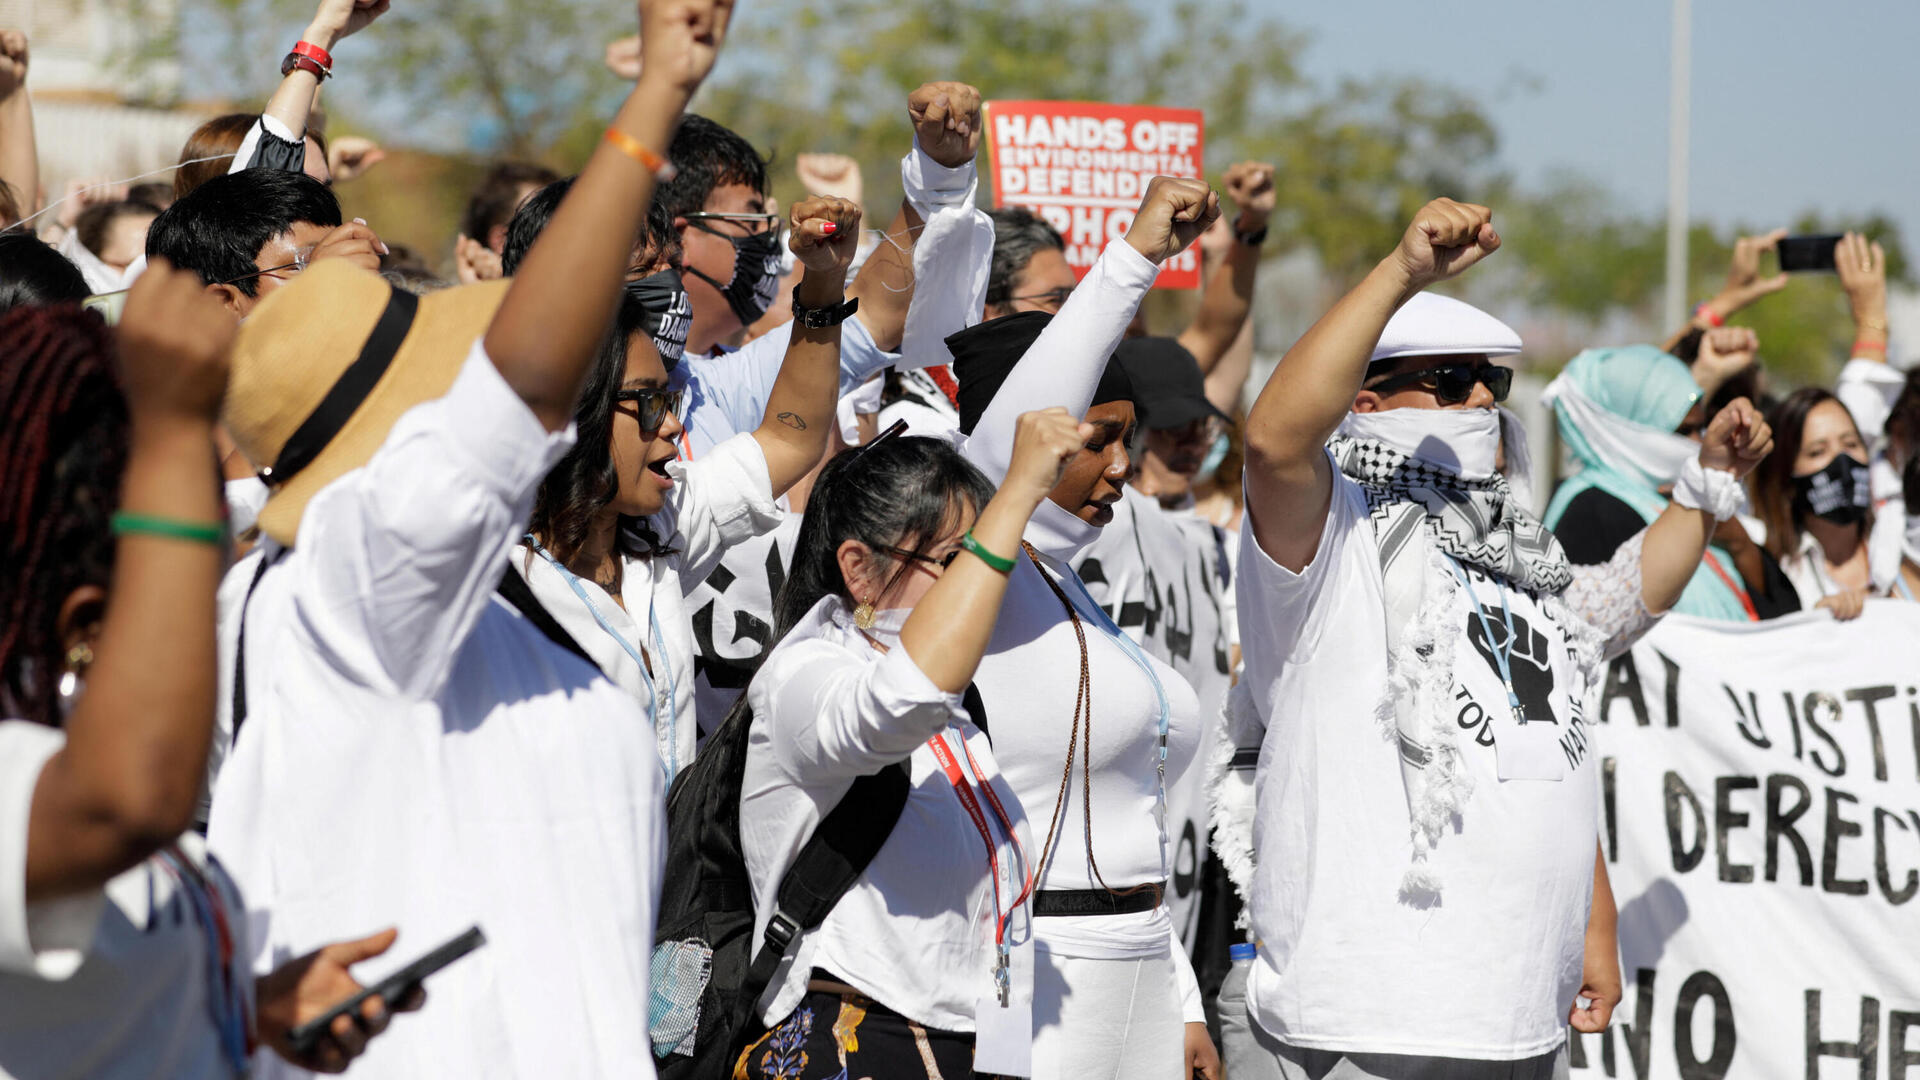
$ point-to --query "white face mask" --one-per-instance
(1656, 456)
(887, 622)
(1461, 441)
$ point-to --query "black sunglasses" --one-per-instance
(654, 405)
(1452, 383)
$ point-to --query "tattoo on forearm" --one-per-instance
(792, 420)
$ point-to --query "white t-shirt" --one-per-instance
(1163, 578)
(1344, 964)
(916, 931)
(111, 984)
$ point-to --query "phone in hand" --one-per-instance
(1803, 253)
(392, 989)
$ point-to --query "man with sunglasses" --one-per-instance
(1420, 654)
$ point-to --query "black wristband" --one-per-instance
(1251, 239)
(821, 318)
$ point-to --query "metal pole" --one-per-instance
(1679, 99)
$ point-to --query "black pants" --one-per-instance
(831, 1036)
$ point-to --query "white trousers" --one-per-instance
(1106, 1019)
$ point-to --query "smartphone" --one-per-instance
(392, 989)
(1801, 253)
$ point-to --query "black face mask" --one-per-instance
(1838, 493)
(668, 312)
(756, 272)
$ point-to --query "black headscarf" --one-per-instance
(984, 355)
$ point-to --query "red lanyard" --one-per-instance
(963, 788)
(1713, 563)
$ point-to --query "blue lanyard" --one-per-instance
(226, 1000)
(660, 650)
(1502, 653)
(1132, 648)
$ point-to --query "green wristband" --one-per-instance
(199, 532)
(979, 551)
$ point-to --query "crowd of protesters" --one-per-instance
(346, 607)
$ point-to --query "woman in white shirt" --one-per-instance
(1090, 729)
(622, 530)
(896, 584)
(122, 944)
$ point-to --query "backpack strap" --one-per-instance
(515, 590)
(834, 857)
(240, 653)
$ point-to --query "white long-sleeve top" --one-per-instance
(417, 754)
(916, 931)
(720, 500)
(1029, 678)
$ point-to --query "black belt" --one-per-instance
(1097, 901)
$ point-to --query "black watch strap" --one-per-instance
(1252, 239)
(821, 318)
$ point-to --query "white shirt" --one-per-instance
(1164, 579)
(110, 984)
(721, 500)
(419, 754)
(916, 931)
(1029, 679)
(1341, 956)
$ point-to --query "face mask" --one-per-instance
(1465, 442)
(1216, 454)
(756, 273)
(668, 313)
(1838, 493)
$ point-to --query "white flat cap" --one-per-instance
(1434, 325)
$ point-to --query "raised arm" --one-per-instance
(128, 779)
(19, 154)
(1289, 479)
(799, 416)
(939, 172)
(1063, 366)
(292, 102)
(1735, 442)
(1228, 296)
(1744, 285)
(544, 336)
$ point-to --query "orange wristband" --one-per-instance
(661, 168)
(1868, 346)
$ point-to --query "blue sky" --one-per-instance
(1795, 104)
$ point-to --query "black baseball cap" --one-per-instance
(1168, 388)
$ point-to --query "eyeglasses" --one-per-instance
(653, 405)
(942, 562)
(1452, 383)
(748, 222)
(298, 264)
(1052, 298)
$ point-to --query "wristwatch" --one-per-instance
(821, 318)
(1251, 239)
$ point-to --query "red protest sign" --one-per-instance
(1083, 167)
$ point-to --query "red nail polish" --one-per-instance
(829, 228)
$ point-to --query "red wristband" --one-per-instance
(300, 62)
(320, 55)
(1868, 346)
(1704, 311)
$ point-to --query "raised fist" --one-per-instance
(825, 234)
(946, 120)
(13, 61)
(1250, 185)
(1737, 440)
(1530, 660)
(680, 39)
(1725, 351)
(836, 175)
(1174, 212)
(1446, 238)
(174, 337)
(623, 58)
(1043, 442)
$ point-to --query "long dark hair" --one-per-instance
(63, 451)
(1773, 480)
(899, 492)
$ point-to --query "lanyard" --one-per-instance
(1132, 648)
(1739, 592)
(659, 647)
(1502, 652)
(963, 789)
(226, 999)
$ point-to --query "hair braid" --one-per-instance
(63, 450)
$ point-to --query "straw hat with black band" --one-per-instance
(324, 367)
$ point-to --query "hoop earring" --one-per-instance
(863, 615)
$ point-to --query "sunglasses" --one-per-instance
(1452, 383)
(1052, 298)
(652, 405)
(699, 218)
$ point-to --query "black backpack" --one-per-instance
(705, 921)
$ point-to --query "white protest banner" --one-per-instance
(1761, 819)
(1083, 167)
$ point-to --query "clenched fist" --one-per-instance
(1445, 238)
(825, 234)
(1174, 212)
(174, 337)
(946, 120)
(1250, 185)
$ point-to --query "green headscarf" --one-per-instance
(1640, 394)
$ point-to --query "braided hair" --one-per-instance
(63, 451)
